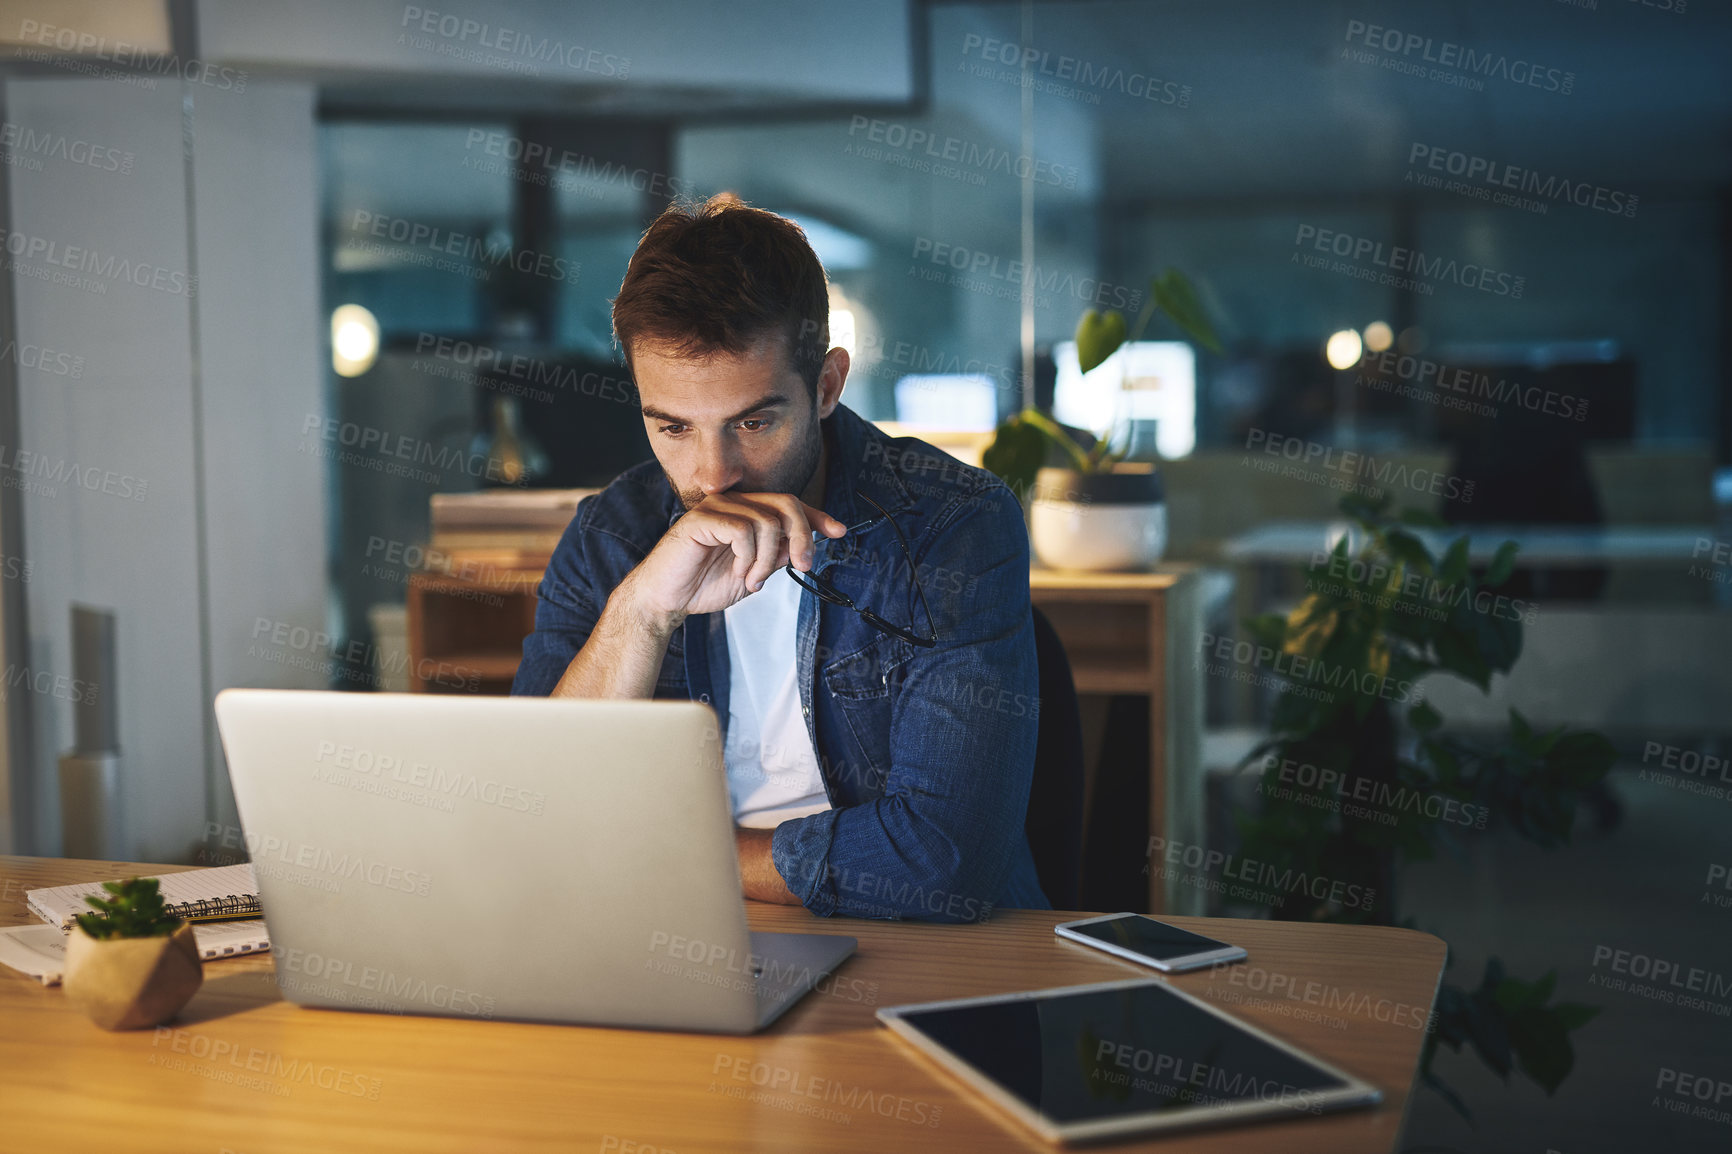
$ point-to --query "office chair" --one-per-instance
(1054, 825)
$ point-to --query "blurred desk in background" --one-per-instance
(1140, 634)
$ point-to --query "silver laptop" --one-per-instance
(557, 861)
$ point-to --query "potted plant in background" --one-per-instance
(1093, 512)
(132, 964)
(1384, 614)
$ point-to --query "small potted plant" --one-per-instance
(1093, 512)
(132, 964)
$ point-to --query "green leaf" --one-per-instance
(1502, 564)
(1016, 454)
(1178, 299)
(1453, 570)
(1098, 336)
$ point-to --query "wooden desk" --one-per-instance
(411, 1084)
(1141, 633)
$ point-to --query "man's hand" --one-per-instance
(758, 877)
(722, 550)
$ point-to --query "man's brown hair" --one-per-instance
(717, 277)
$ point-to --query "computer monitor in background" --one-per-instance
(951, 402)
(1144, 381)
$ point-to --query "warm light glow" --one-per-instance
(1343, 349)
(1378, 336)
(354, 340)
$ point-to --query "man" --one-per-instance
(874, 771)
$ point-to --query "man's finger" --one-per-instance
(770, 547)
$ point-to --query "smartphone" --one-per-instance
(1142, 939)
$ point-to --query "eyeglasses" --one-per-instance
(823, 587)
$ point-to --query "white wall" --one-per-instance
(164, 396)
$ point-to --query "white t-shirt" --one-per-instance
(772, 769)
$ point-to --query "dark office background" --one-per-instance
(1227, 138)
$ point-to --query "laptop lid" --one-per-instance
(567, 861)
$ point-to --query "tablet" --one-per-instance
(1079, 1063)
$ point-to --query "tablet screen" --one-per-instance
(1100, 1054)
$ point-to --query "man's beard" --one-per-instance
(792, 477)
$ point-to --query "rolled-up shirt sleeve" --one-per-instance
(938, 844)
(566, 610)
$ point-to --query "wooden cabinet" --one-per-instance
(466, 634)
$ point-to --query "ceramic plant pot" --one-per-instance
(1098, 522)
(132, 983)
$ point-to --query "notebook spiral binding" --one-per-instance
(214, 909)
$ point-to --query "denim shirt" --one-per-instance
(926, 754)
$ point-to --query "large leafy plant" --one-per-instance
(1021, 444)
(135, 911)
(1379, 617)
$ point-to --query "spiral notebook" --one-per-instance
(40, 951)
(224, 893)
